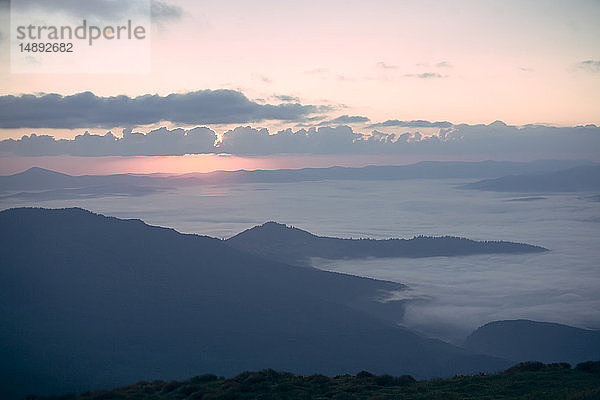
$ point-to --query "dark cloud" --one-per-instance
(81, 9)
(324, 140)
(412, 124)
(494, 141)
(346, 119)
(157, 142)
(287, 99)
(162, 11)
(590, 66)
(86, 110)
(425, 75)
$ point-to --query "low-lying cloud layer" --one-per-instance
(86, 110)
(494, 141)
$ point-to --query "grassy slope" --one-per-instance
(524, 381)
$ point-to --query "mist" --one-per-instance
(448, 297)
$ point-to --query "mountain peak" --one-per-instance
(39, 171)
(272, 230)
(274, 226)
(498, 124)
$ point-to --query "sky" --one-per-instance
(301, 64)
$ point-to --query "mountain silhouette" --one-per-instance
(577, 179)
(42, 184)
(88, 301)
(524, 340)
(292, 245)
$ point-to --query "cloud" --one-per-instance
(411, 124)
(324, 140)
(478, 142)
(287, 99)
(162, 11)
(383, 65)
(590, 66)
(425, 75)
(105, 9)
(443, 64)
(157, 142)
(82, 9)
(86, 110)
(346, 119)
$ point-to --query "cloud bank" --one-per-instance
(493, 141)
(86, 110)
(415, 124)
(590, 66)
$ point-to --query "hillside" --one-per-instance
(522, 340)
(88, 301)
(523, 381)
(284, 243)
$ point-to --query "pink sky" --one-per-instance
(190, 163)
(516, 61)
(465, 61)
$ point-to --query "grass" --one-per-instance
(530, 380)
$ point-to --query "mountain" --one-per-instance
(285, 243)
(420, 170)
(42, 184)
(88, 301)
(577, 179)
(523, 340)
(36, 178)
(524, 381)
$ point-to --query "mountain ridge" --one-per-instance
(524, 340)
(576, 179)
(283, 242)
(88, 301)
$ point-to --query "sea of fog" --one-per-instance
(448, 296)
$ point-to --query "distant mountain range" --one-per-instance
(42, 184)
(523, 340)
(292, 245)
(88, 301)
(577, 179)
